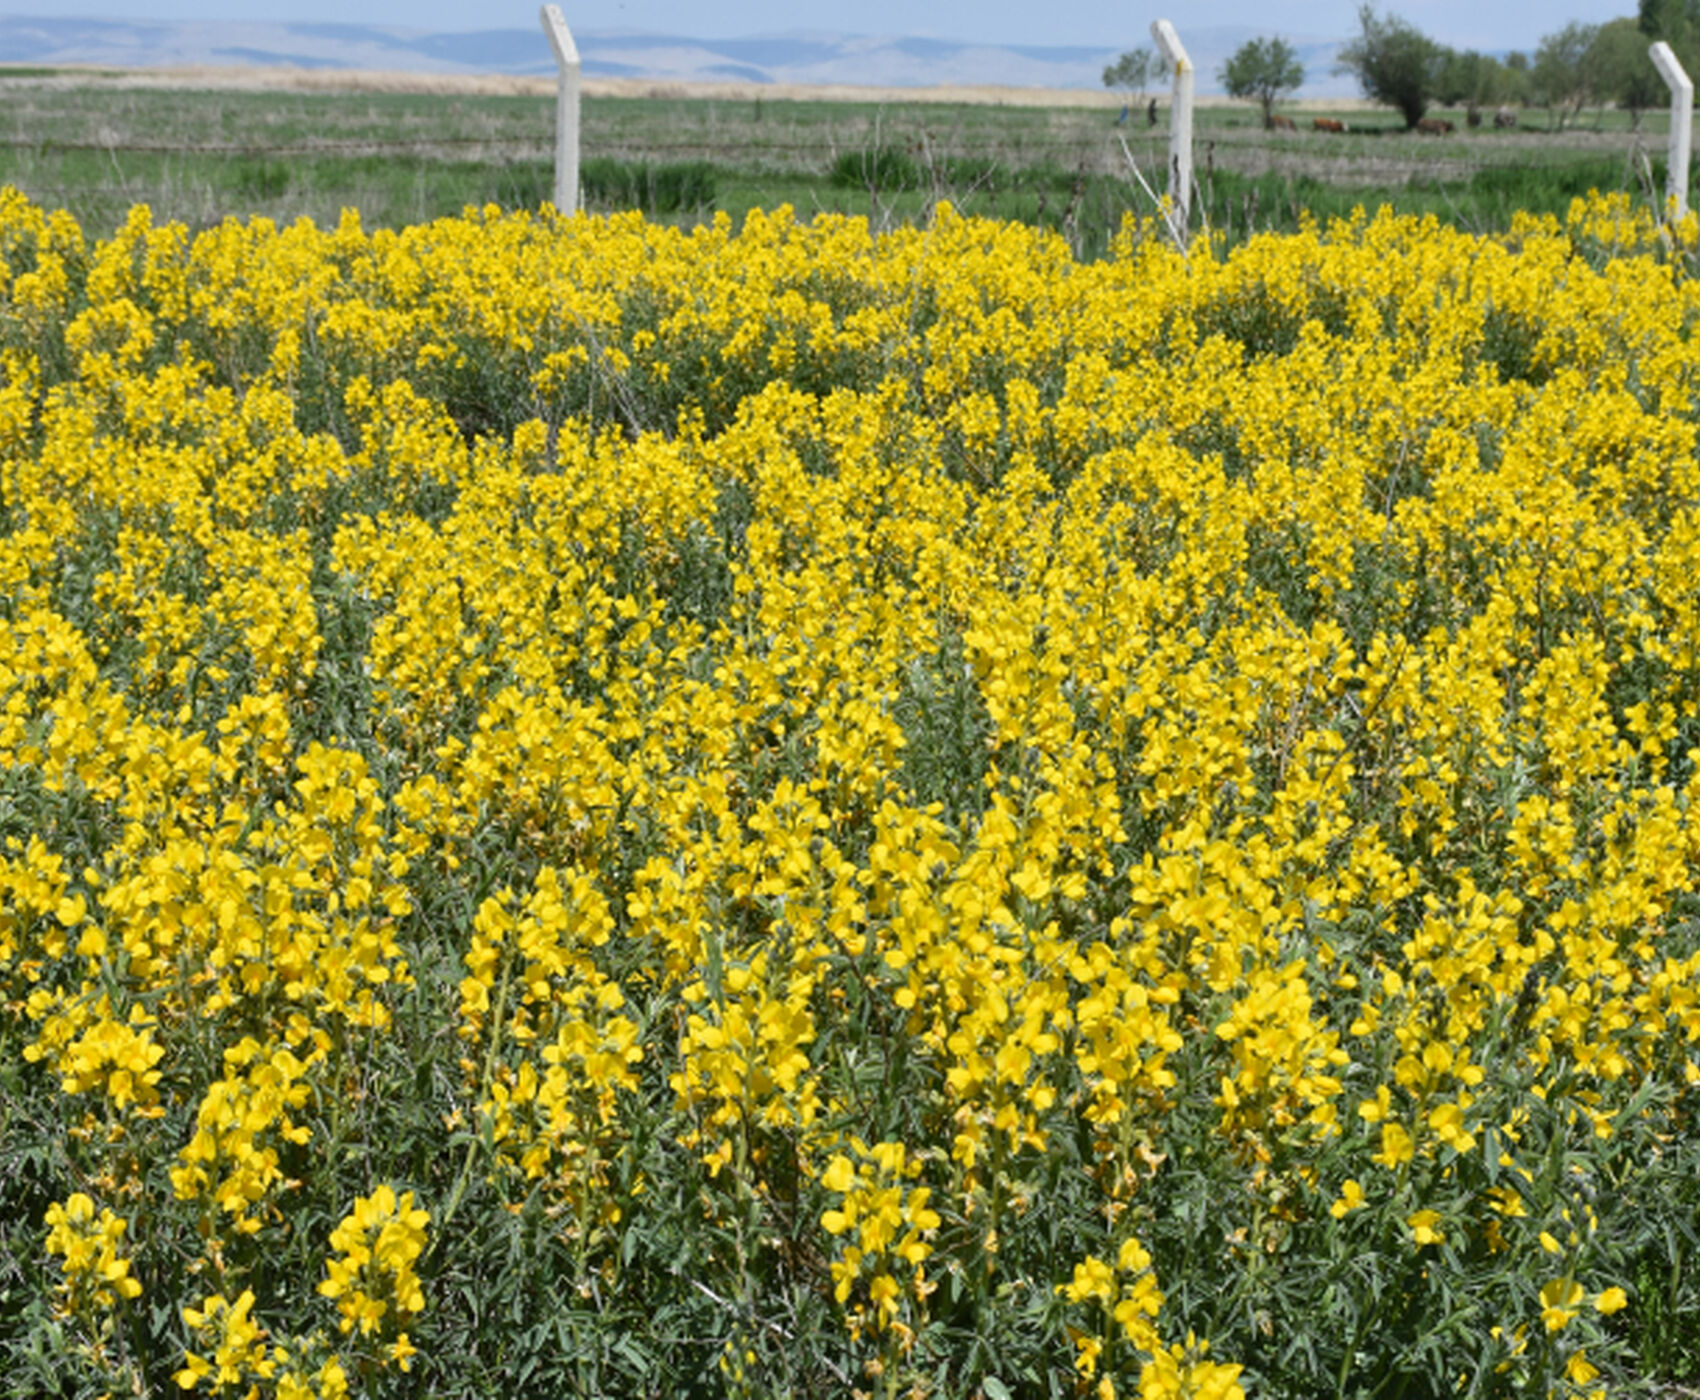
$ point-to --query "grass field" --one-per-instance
(96, 147)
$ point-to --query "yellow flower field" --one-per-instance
(598, 809)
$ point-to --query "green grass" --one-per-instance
(10, 71)
(685, 187)
(402, 158)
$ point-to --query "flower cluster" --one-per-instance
(239, 1360)
(93, 1272)
(886, 1227)
(371, 1275)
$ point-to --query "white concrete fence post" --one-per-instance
(1681, 123)
(566, 109)
(1180, 123)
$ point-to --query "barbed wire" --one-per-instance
(543, 144)
(52, 145)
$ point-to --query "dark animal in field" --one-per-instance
(1504, 118)
(1282, 124)
(1435, 126)
(1329, 124)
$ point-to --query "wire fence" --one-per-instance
(1081, 177)
(543, 144)
(51, 144)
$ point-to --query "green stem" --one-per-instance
(488, 1077)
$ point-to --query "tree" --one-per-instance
(1263, 69)
(1619, 70)
(1395, 63)
(1516, 77)
(1677, 22)
(1474, 80)
(1459, 76)
(1561, 71)
(1132, 71)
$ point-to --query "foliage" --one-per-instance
(1519, 186)
(1133, 71)
(1563, 78)
(667, 188)
(1677, 22)
(1477, 80)
(1263, 69)
(880, 168)
(590, 808)
(1620, 71)
(1394, 62)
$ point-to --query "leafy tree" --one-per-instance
(1619, 70)
(1561, 73)
(1475, 80)
(1395, 63)
(1677, 22)
(1132, 71)
(1263, 69)
(1516, 77)
(1456, 80)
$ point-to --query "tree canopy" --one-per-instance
(1477, 80)
(1562, 78)
(1264, 70)
(1619, 70)
(1677, 22)
(1395, 63)
(1132, 71)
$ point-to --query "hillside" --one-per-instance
(812, 59)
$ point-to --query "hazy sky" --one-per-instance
(1496, 24)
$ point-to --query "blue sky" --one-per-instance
(1462, 23)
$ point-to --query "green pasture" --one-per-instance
(97, 146)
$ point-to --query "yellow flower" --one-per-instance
(1447, 1120)
(1351, 1197)
(93, 1272)
(1396, 1146)
(1093, 1278)
(1559, 1301)
(372, 1280)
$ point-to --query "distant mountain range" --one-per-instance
(781, 58)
